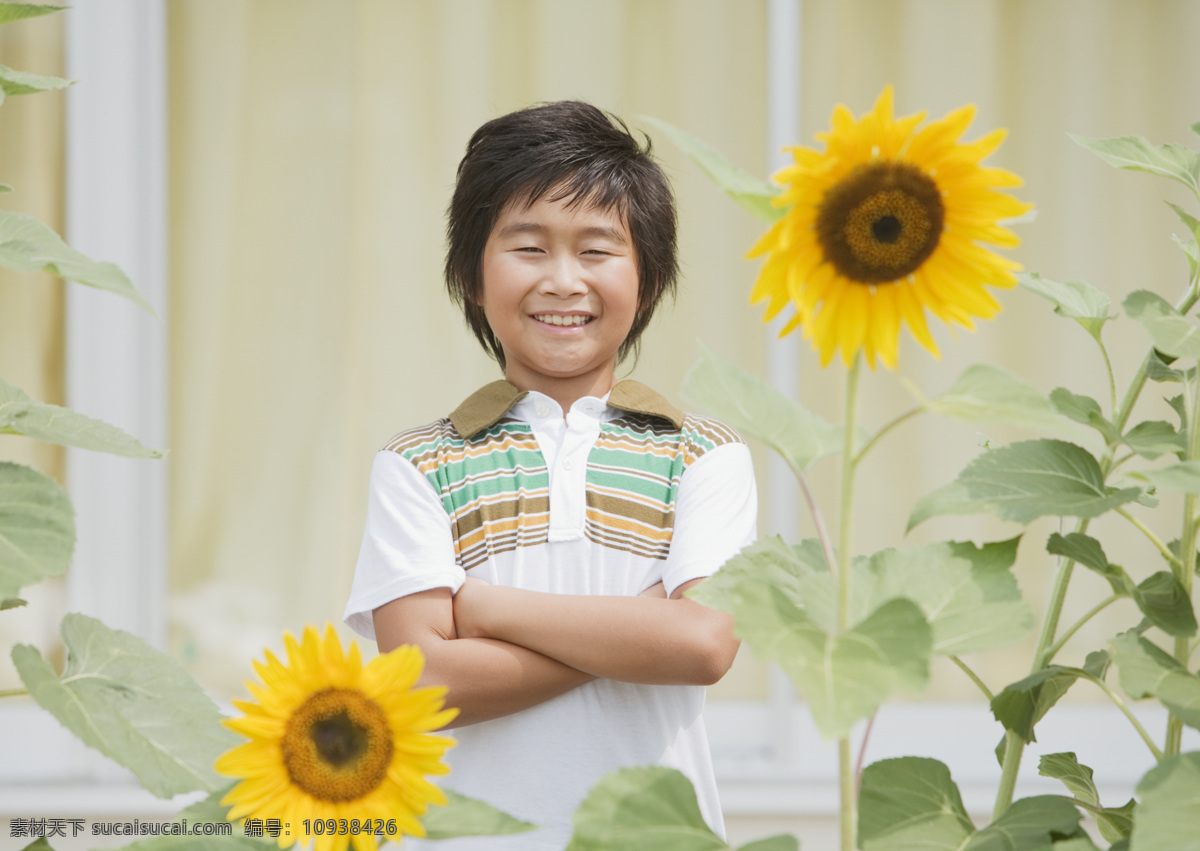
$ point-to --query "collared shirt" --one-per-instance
(609, 498)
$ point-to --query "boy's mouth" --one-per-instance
(560, 319)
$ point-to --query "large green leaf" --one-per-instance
(1076, 300)
(463, 816)
(10, 12)
(37, 528)
(1114, 824)
(755, 408)
(132, 703)
(1136, 153)
(1171, 331)
(1022, 704)
(968, 594)
(645, 807)
(1030, 824)
(1154, 438)
(910, 804)
(1147, 671)
(1025, 481)
(752, 193)
(27, 245)
(781, 607)
(21, 414)
(1169, 813)
(987, 394)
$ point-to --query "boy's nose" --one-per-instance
(563, 277)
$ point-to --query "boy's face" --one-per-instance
(560, 292)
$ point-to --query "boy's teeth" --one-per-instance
(555, 319)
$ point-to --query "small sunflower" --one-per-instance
(885, 223)
(331, 738)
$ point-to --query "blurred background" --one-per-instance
(273, 176)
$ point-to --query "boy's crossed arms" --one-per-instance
(500, 650)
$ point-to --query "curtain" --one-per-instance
(313, 148)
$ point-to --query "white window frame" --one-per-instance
(769, 759)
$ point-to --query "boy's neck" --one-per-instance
(565, 391)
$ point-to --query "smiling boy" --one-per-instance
(537, 543)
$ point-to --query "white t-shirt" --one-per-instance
(620, 494)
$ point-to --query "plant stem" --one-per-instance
(1183, 566)
(1121, 705)
(875, 438)
(987, 692)
(16, 692)
(818, 522)
(1066, 636)
(1149, 533)
(847, 788)
(862, 750)
(1112, 383)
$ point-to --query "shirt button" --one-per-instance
(567, 464)
(543, 411)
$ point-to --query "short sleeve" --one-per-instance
(407, 544)
(716, 514)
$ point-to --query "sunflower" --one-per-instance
(883, 224)
(331, 738)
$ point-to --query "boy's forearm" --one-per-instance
(632, 639)
(488, 678)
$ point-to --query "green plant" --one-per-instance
(852, 630)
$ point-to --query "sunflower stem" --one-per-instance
(846, 776)
(973, 677)
(1066, 636)
(15, 692)
(1183, 567)
(1153, 538)
(818, 522)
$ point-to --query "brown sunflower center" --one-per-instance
(880, 222)
(337, 745)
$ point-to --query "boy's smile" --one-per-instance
(560, 292)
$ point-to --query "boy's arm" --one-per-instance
(662, 641)
(486, 678)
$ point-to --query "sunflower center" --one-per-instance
(337, 745)
(880, 222)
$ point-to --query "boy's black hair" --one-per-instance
(572, 151)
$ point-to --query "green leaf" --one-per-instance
(987, 394)
(1169, 813)
(1196, 128)
(1147, 671)
(12, 603)
(236, 841)
(1154, 438)
(773, 843)
(782, 609)
(1184, 476)
(1087, 551)
(27, 245)
(1163, 599)
(1158, 368)
(1025, 481)
(750, 405)
(1189, 221)
(5, 188)
(638, 808)
(1021, 705)
(1191, 250)
(1115, 823)
(37, 528)
(13, 82)
(41, 844)
(910, 804)
(1074, 299)
(968, 594)
(1137, 154)
(10, 12)
(1030, 824)
(132, 703)
(21, 414)
(752, 193)
(463, 816)
(1083, 409)
(1171, 331)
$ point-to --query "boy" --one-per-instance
(537, 543)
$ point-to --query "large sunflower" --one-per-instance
(883, 224)
(331, 738)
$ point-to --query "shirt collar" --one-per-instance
(486, 406)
